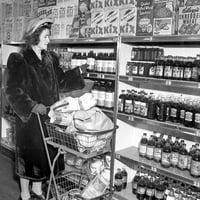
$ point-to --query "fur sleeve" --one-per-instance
(16, 88)
(70, 80)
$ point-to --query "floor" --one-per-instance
(9, 188)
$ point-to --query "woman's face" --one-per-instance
(44, 39)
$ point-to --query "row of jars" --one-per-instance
(176, 109)
(103, 92)
(152, 186)
(171, 153)
(101, 62)
(167, 67)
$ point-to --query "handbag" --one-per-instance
(92, 120)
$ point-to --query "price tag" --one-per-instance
(168, 82)
(197, 183)
(117, 156)
(98, 75)
(154, 169)
(130, 78)
(131, 118)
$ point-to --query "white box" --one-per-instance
(97, 24)
(9, 29)
(127, 20)
(111, 22)
(21, 24)
(96, 5)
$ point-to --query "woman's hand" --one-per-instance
(40, 108)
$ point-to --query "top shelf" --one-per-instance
(162, 39)
(173, 39)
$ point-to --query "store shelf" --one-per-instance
(173, 129)
(179, 39)
(94, 75)
(131, 158)
(85, 40)
(186, 87)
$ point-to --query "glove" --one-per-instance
(39, 108)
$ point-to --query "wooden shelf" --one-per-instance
(131, 158)
(186, 87)
(173, 129)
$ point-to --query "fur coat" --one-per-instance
(31, 81)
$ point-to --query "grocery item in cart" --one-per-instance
(92, 120)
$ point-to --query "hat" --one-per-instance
(35, 23)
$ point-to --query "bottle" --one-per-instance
(168, 68)
(175, 153)
(195, 164)
(161, 109)
(109, 95)
(118, 180)
(150, 148)
(190, 155)
(183, 156)
(105, 62)
(157, 155)
(101, 94)
(91, 61)
(197, 115)
(159, 190)
(151, 111)
(189, 114)
(121, 101)
(159, 67)
(143, 145)
(99, 62)
(135, 181)
(95, 90)
(166, 154)
(141, 188)
(188, 69)
(174, 110)
(128, 103)
(124, 178)
(196, 69)
(150, 189)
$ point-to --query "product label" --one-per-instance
(140, 190)
(166, 158)
(195, 168)
(128, 106)
(174, 158)
(197, 117)
(182, 161)
(143, 149)
(188, 116)
(168, 71)
(120, 105)
(157, 153)
(173, 112)
(150, 151)
(150, 192)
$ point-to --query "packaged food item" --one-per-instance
(144, 26)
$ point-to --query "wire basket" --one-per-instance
(88, 143)
(70, 186)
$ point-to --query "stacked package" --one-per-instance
(188, 20)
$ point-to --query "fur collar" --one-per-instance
(31, 56)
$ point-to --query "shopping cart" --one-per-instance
(68, 186)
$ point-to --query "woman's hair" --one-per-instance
(34, 38)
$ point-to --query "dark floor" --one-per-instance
(9, 189)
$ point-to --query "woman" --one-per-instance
(32, 85)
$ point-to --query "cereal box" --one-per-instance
(9, 29)
(144, 26)
(97, 5)
(111, 4)
(97, 24)
(188, 20)
(164, 17)
(127, 20)
(51, 2)
(21, 24)
(111, 22)
(85, 25)
(42, 3)
(127, 3)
